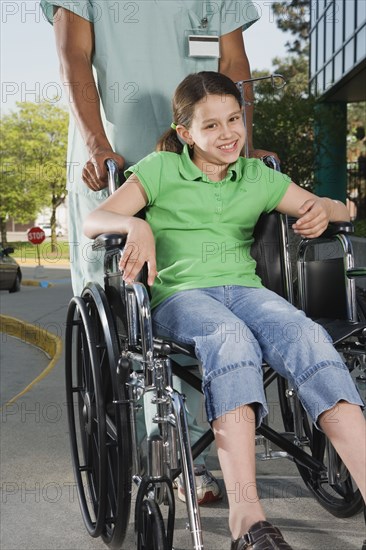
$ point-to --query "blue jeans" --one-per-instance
(233, 329)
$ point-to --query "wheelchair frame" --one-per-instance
(113, 360)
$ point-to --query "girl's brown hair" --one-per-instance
(190, 91)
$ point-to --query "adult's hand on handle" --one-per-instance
(95, 174)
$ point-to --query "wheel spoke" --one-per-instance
(86, 416)
(342, 499)
(150, 527)
(99, 430)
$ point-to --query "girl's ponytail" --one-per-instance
(170, 142)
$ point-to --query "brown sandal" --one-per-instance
(261, 536)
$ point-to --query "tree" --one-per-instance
(285, 119)
(356, 117)
(33, 162)
(293, 16)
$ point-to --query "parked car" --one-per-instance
(47, 229)
(10, 272)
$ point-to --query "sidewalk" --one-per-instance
(45, 275)
(39, 505)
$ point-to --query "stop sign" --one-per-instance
(36, 235)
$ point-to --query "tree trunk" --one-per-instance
(4, 240)
(53, 228)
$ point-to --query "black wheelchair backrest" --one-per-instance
(270, 251)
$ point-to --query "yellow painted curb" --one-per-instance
(34, 335)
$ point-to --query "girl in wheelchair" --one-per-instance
(202, 202)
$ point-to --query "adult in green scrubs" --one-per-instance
(120, 63)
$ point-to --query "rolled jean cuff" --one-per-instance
(329, 383)
(234, 387)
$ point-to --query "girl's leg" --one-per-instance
(303, 352)
(345, 426)
(232, 383)
(235, 442)
(232, 380)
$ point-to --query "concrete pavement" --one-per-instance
(39, 508)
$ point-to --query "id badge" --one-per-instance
(203, 45)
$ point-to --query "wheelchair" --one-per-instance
(114, 361)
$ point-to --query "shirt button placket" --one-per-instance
(218, 209)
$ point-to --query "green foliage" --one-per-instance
(356, 141)
(25, 251)
(284, 119)
(360, 228)
(32, 161)
(294, 16)
(286, 127)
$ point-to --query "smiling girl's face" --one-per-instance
(218, 134)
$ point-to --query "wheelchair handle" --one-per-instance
(271, 162)
(113, 179)
(277, 80)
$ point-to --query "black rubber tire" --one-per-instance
(17, 283)
(361, 304)
(342, 499)
(86, 417)
(150, 529)
(117, 436)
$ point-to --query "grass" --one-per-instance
(24, 250)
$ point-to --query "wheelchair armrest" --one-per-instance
(355, 272)
(336, 228)
(109, 240)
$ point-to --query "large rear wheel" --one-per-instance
(86, 417)
(334, 489)
(98, 412)
(117, 438)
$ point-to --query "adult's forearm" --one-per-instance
(77, 76)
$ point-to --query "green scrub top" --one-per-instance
(141, 55)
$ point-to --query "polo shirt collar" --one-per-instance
(189, 171)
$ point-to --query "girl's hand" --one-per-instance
(139, 248)
(314, 217)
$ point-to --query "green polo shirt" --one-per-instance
(204, 229)
(140, 57)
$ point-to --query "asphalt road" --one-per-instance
(39, 507)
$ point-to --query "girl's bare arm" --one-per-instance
(117, 215)
(313, 213)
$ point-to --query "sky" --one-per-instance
(29, 64)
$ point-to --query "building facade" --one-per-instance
(337, 77)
